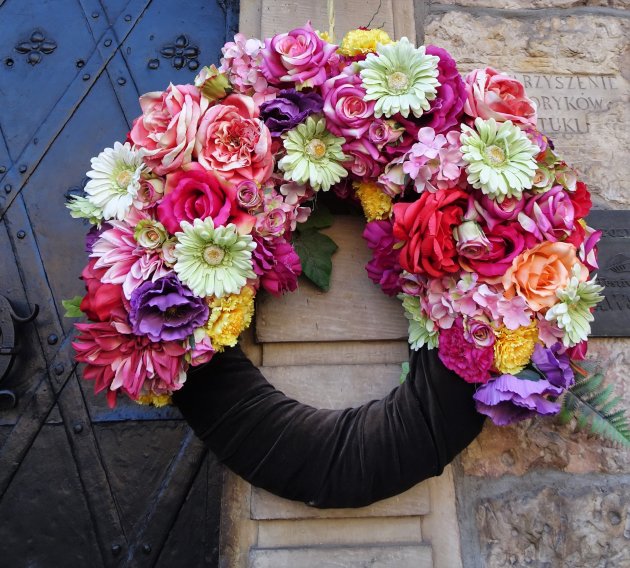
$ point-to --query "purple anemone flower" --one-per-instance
(508, 399)
(166, 310)
(554, 366)
(288, 109)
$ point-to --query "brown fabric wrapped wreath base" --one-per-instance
(330, 458)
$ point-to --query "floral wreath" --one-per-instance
(473, 219)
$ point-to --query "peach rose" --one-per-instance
(537, 273)
(494, 95)
(168, 126)
(234, 142)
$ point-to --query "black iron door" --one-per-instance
(80, 484)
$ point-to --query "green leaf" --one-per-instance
(72, 307)
(315, 251)
(320, 218)
(528, 375)
(592, 405)
(404, 372)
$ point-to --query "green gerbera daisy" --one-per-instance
(313, 155)
(213, 261)
(400, 78)
(573, 312)
(422, 329)
(501, 159)
(82, 208)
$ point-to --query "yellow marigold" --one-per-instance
(360, 42)
(229, 317)
(377, 205)
(157, 400)
(513, 348)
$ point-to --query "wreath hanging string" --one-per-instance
(474, 221)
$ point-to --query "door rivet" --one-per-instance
(23, 169)
(59, 368)
(52, 339)
(146, 548)
(108, 42)
(8, 188)
(77, 428)
(116, 549)
(21, 234)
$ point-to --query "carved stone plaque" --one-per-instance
(612, 316)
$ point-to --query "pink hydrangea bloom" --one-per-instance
(242, 59)
(435, 161)
(470, 361)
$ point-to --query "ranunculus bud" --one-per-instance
(249, 195)
(150, 234)
(168, 251)
(383, 132)
(471, 240)
(213, 84)
(478, 332)
(150, 191)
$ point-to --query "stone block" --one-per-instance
(556, 526)
(348, 557)
(529, 4)
(578, 63)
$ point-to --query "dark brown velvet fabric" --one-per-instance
(330, 458)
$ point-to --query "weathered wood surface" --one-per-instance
(334, 353)
(415, 501)
(353, 309)
(418, 556)
(349, 15)
(330, 532)
(334, 386)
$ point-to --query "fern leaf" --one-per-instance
(592, 405)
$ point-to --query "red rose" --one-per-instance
(581, 199)
(102, 302)
(195, 193)
(426, 227)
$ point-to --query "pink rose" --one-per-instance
(494, 212)
(506, 243)
(347, 113)
(365, 161)
(299, 56)
(234, 142)
(478, 332)
(549, 216)
(494, 95)
(249, 195)
(167, 128)
(195, 193)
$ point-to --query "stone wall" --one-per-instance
(536, 495)
(531, 495)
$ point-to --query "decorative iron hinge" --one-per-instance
(8, 318)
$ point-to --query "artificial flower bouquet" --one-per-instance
(474, 220)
